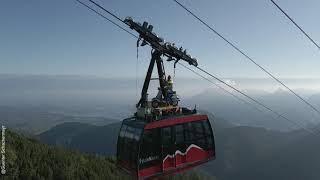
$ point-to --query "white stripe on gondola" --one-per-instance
(179, 152)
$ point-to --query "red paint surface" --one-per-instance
(180, 160)
(150, 171)
(168, 164)
(174, 121)
(194, 154)
(193, 158)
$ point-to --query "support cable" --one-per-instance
(248, 57)
(223, 89)
(258, 102)
(106, 18)
(247, 96)
(299, 27)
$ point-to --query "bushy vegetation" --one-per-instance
(28, 158)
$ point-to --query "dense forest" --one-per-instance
(27, 158)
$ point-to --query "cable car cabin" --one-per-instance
(170, 145)
(162, 138)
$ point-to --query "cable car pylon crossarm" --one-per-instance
(159, 48)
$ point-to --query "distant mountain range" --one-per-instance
(84, 137)
(34, 120)
(115, 98)
(95, 139)
(239, 113)
(242, 152)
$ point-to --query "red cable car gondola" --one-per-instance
(163, 138)
(165, 146)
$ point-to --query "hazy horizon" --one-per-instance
(250, 83)
(93, 95)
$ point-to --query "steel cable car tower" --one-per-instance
(166, 98)
(162, 138)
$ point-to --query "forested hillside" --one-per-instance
(29, 159)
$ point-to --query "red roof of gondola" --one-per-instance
(174, 121)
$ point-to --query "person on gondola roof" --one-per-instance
(170, 82)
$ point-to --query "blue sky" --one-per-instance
(63, 37)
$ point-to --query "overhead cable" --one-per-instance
(299, 27)
(247, 57)
(218, 79)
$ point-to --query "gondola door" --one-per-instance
(168, 149)
(180, 145)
